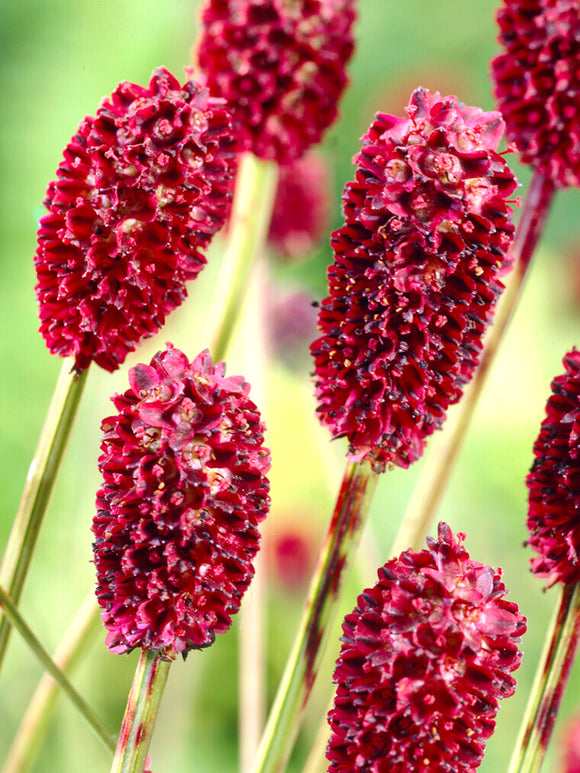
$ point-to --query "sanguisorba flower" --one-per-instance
(415, 276)
(184, 489)
(280, 64)
(425, 656)
(554, 481)
(537, 84)
(142, 188)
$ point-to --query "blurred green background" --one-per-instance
(58, 60)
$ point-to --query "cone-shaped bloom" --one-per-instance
(537, 83)
(280, 64)
(141, 189)
(554, 481)
(184, 489)
(425, 656)
(415, 276)
(301, 213)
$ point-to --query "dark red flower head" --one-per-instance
(142, 188)
(425, 656)
(537, 84)
(554, 481)
(415, 276)
(184, 490)
(280, 64)
(301, 212)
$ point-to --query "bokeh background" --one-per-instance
(58, 60)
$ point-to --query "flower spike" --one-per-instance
(537, 86)
(280, 64)
(184, 490)
(415, 276)
(141, 189)
(554, 481)
(425, 656)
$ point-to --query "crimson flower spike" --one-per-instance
(142, 188)
(415, 278)
(553, 496)
(426, 655)
(280, 64)
(537, 87)
(176, 531)
(184, 490)
(554, 482)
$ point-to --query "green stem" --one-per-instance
(550, 683)
(33, 642)
(337, 552)
(437, 471)
(38, 489)
(35, 723)
(251, 214)
(251, 347)
(141, 713)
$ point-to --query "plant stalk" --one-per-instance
(251, 213)
(33, 642)
(550, 683)
(352, 507)
(42, 475)
(437, 470)
(251, 346)
(141, 713)
(36, 721)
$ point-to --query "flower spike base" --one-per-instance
(141, 713)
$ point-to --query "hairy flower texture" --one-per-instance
(415, 276)
(142, 188)
(425, 656)
(537, 84)
(554, 481)
(301, 213)
(184, 489)
(280, 64)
